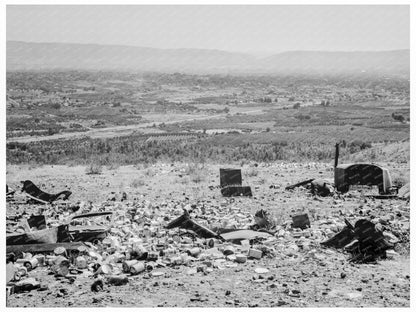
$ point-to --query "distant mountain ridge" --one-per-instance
(64, 56)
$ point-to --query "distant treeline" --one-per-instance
(135, 149)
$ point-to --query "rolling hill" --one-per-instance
(64, 56)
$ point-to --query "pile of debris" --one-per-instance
(141, 238)
(114, 241)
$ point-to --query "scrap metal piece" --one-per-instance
(364, 241)
(293, 186)
(231, 183)
(244, 234)
(37, 222)
(236, 190)
(230, 177)
(88, 233)
(321, 188)
(31, 189)
(46, 236)
(185, 222)
(301, 221)
(362, 174)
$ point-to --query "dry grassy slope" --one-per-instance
(398, 152)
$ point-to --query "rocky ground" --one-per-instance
(299, 272)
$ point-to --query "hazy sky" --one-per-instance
(233, 28)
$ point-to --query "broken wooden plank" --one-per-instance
(291, 187)
(92, 214)
(35, 248)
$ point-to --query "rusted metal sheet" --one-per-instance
(185, 222)
(230, 177)
(31, 189)
(37, 222)
(301, 221)
(362, 174)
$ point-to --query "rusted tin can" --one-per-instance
(194, 252)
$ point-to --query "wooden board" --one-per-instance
(34, 248)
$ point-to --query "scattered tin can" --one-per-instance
(41, 259)
(228, 250)
(137, 268)
(81, 262)
(61, 266)
(21, 271)
(254, 253)
(194, 252)
(128, 264)
(150, 266)
(60, 251)
(31, 264)
(176, 260)
(117, 280)
(152, 256)
(240, 258)
(105, 269)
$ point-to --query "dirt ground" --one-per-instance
(314, 277)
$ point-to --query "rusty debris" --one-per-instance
(231, 183)
(37, 194)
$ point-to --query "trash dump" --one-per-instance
(113, 244)
(139, 240)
